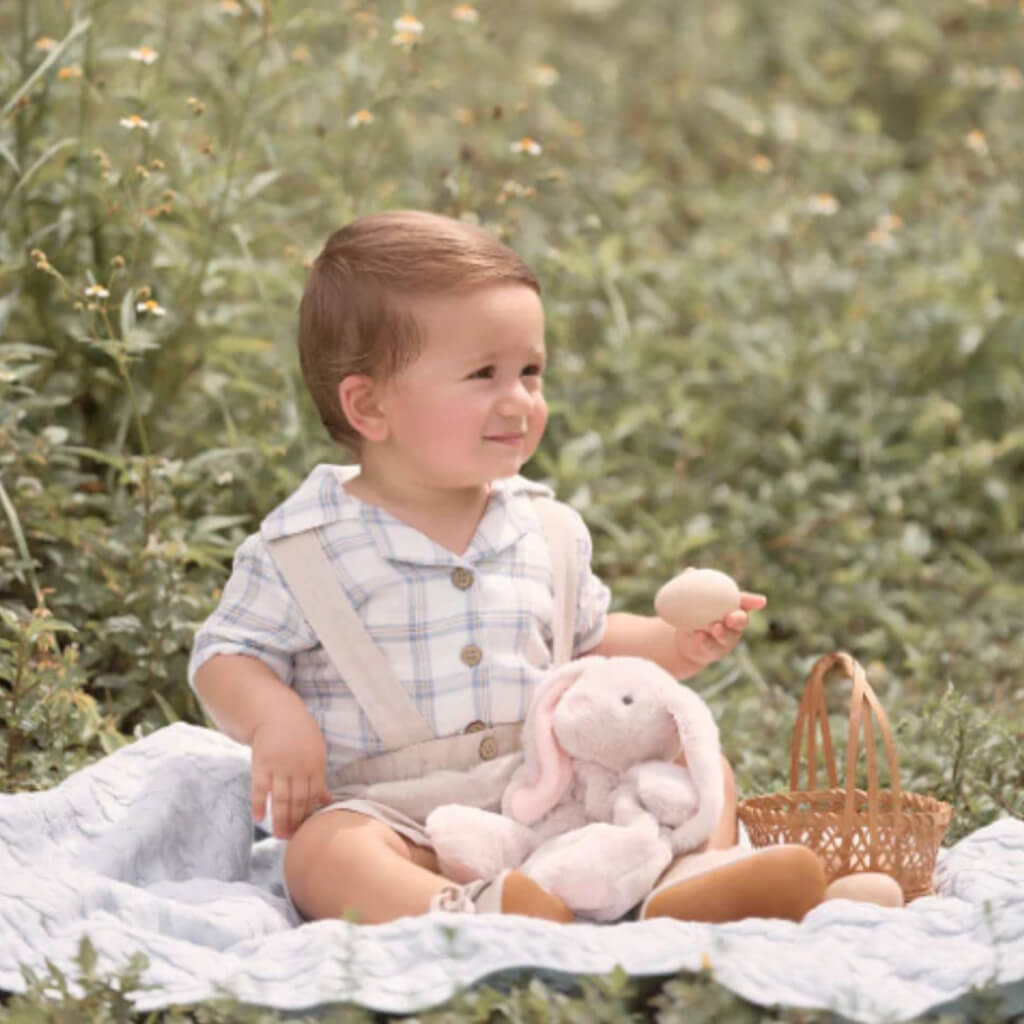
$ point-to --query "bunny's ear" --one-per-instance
(546, 773)
(698, 736)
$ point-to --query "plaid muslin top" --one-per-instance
(467, 635)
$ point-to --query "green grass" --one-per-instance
(782, 250)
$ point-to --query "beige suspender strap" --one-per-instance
(303, 564)
(555, 521)
(359, 661)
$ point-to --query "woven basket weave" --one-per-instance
(851, 829)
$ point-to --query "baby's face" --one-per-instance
(470, 409)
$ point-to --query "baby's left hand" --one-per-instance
(702, 647)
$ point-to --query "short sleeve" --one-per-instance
(256, 616)
(594, 596)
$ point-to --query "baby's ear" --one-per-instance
(360, 401)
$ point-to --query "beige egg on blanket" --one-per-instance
(867, 887)
(696, 598)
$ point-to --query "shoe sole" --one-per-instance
(521, 895)
(783, 882)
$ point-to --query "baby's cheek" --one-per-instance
(538, 421)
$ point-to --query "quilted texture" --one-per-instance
(150, 850)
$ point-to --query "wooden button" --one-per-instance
(476, 726)
(462, 578)
(471, 655)
(488, 748)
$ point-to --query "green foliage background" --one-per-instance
(782, 250)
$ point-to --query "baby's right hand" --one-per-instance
(289, 762)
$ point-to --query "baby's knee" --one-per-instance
(337, 841)
(728, 783)
(340, 862)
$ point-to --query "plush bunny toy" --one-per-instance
(599, 807)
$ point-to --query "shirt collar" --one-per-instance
(321, 499)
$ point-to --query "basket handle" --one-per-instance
(812, 706)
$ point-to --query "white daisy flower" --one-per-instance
(526, 145)
(144, 54)
(976, 142)
(823, 205)
(545, 75)
(408, 23)
(360, 117)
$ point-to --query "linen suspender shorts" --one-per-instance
(419, 772)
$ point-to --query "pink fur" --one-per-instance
(698, 734)
(548, 769)
(599, 806)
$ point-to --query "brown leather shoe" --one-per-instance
(775, 881)
(512, 892)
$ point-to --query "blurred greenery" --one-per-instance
(782, 251)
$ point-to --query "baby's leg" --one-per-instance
(341, 862)
(723, 882)
(724, 834)
(784, 881)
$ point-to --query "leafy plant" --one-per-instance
(781, 251)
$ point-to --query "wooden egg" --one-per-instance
(696, 598)
(867, 887)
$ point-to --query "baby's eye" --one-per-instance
(533, 370)
(484, 373)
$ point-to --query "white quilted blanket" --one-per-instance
(150, 850)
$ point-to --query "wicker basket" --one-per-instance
(852, 830)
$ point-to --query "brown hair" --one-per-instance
(356, 314)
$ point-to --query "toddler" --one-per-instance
(379, 637)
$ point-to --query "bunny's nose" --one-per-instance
(627, 699)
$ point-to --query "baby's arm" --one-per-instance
(682, 653)
(240, 668)
(289, 757)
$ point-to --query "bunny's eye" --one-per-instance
(627, 700)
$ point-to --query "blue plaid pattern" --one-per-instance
(400, 583)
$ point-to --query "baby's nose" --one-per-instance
(516, 399)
